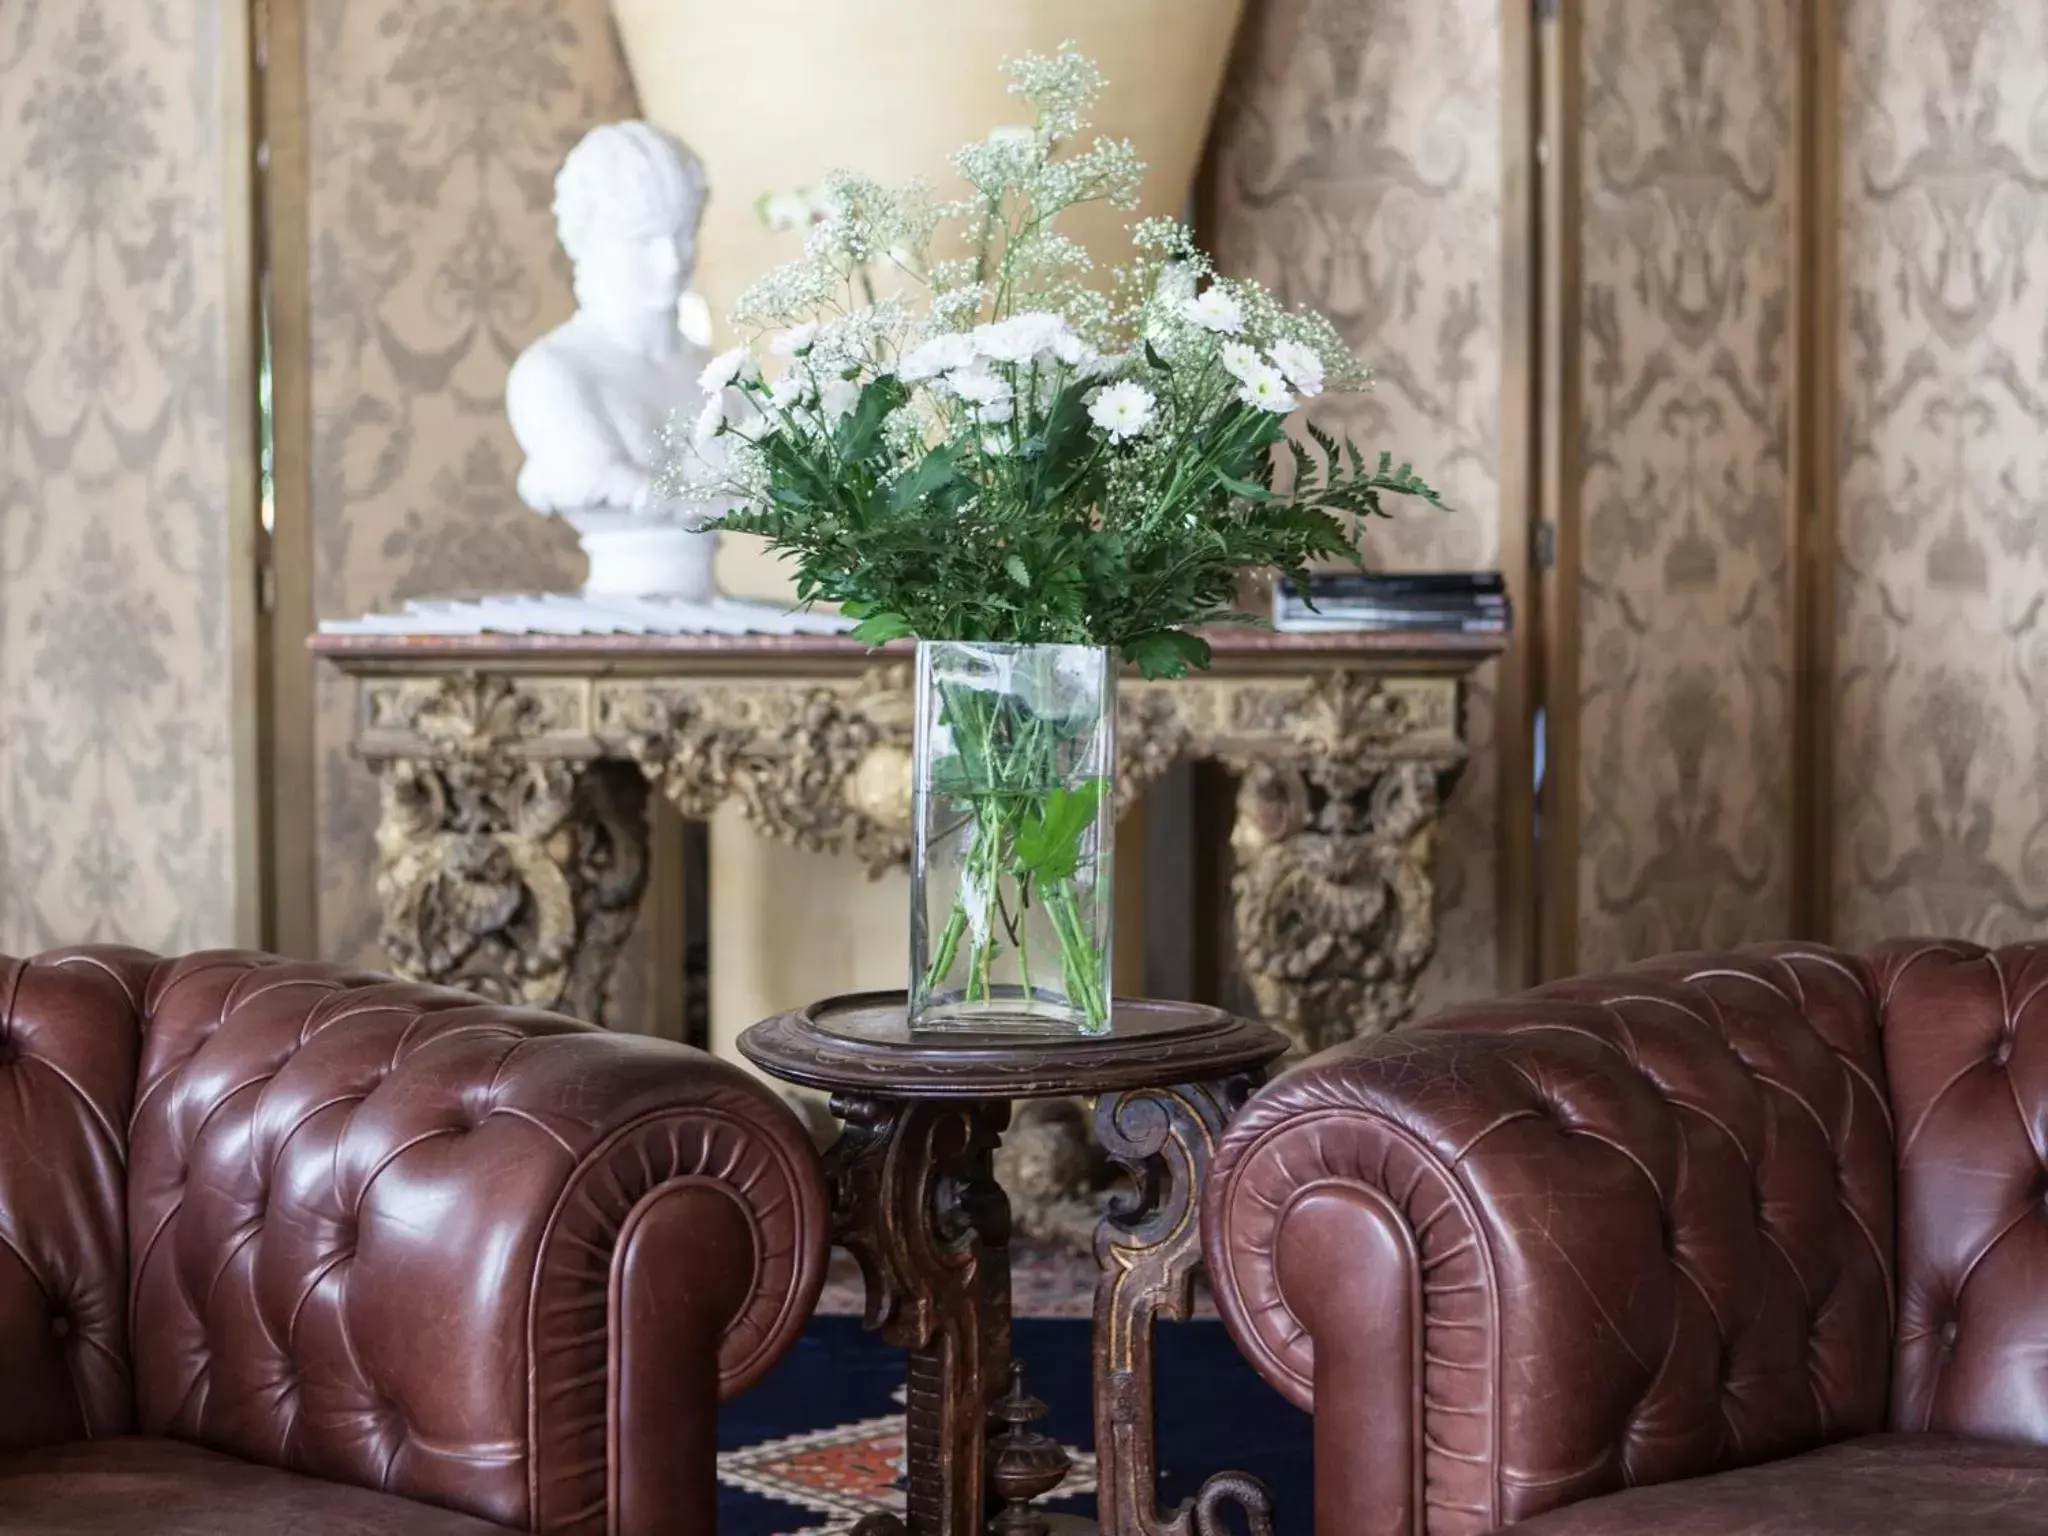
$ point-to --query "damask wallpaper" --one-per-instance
(435, 128)
(117, 809)
(1687, 249)
(1356, 168)
(1942, 639)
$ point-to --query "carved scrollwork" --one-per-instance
(512, 876)
(1335, 906)
(816, 766)
(1147, 1248)
(915, 1200)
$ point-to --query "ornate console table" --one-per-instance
(514, 772)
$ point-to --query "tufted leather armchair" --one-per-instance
(1749, 1244)
(285, 1248)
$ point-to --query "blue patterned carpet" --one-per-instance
(815, 1446)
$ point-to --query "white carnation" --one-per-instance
(1239, 360)
(837, 398)
(1122, 411)
(1304, 370)
(1267, 389)
(1214, 310)
(1072, 350)
(1020, 338)
(724, 369)
(795, 341)
(710, 422)
(977, 386)
(939, 355)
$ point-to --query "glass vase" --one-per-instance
(1015, 815)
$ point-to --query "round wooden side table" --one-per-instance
(916, 1200)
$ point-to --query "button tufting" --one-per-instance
(1948, 1334)
(60, 1325)
(2004, 1052)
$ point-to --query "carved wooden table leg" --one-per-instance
(916, 1201)
(1335, 907)
(514, 877)
(1148, 1247)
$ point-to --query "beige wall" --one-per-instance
(1942, 709)
(119, 659)
(1687, 249)
(1357, 169)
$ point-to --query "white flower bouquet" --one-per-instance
(963, 436)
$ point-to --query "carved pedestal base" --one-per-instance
(511, 876)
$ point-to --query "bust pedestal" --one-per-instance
(635, 555)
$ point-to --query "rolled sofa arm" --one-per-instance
(479, 1256)
(1619, 1231)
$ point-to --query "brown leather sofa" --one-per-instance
(1750, 1244)
(287, 1249)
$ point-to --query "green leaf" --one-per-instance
(1167, 653)
(1152, 357)
(1244, 488)
(924, 483)
(881, 628)
(1017, 572)
(1048, 845)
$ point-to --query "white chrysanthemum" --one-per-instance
(977, 386)
(710, 422)
(790, 391)
(996, 446)
(1072, 350)
(1267, 389)
(1240, 360)
(795, 341)
(837, 398)
(1304, 370)
(941, 354)
(1122, 411)
(995, 413)
(1020, 338)
(724, 369)
(1214, 310)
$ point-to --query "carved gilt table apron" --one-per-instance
(514, 771)
(915, 1198)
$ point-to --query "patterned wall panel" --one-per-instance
(1688, 246)
(1356, 168)
(1942, 636)
(435, 128)
(117, 816)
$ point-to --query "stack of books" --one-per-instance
(1471, 602)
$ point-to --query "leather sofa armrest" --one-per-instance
(480, 1256)
(1623, 1231)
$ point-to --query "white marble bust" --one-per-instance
(588, 400)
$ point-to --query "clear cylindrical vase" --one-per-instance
(1015, 813)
